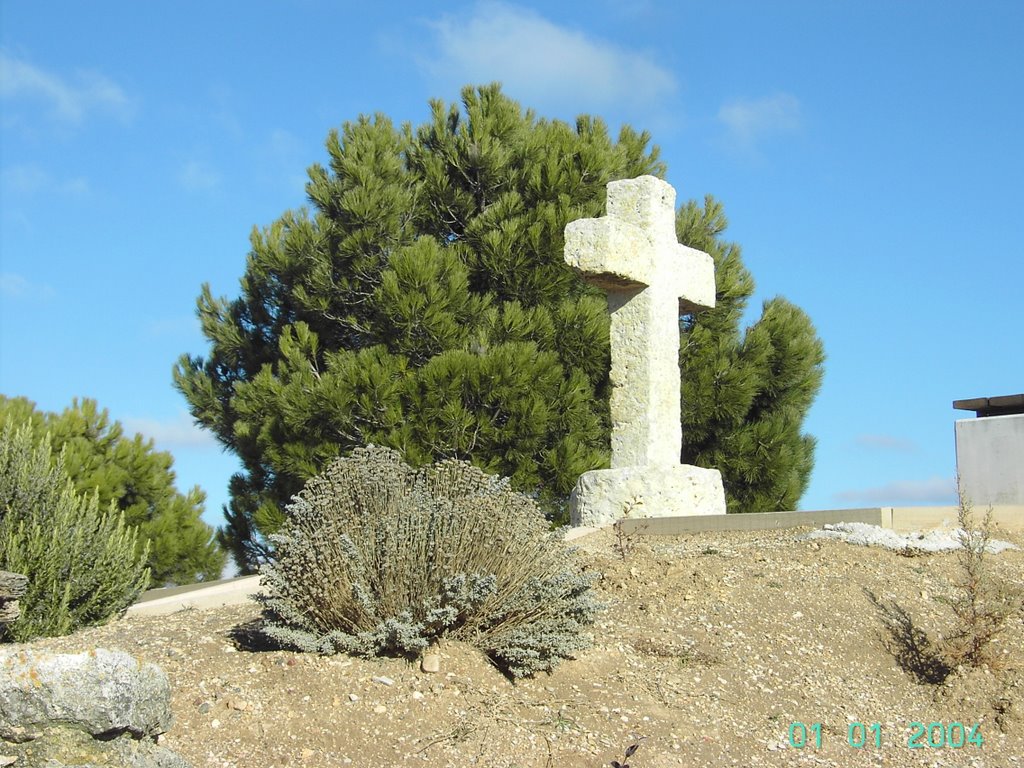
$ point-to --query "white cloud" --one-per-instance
(78, 186)
(14, 286)
(180, 432)
(885, 443)
(69, 101)
(287, 151)
(935, 490)
(748, 121)
(195, 175)
(541, 63)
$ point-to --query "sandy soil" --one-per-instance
(712, 650)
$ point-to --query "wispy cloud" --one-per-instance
(885, 443)
(70, 100)
(935, 490)
(284, 144)
(748, 121)
(542, 63)
(23, 180)
(196, 176)
(287, 152)
(27, 180)
(173, 326)
(180, 432)
(14, 286)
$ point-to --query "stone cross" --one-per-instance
(633, 255)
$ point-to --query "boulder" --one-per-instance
(60, 746)
(98, 707)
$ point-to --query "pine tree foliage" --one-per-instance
(80, 559)
(99, 458)
(422, 303)
(744, 396)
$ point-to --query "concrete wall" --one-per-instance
(990, 459)
(1006, 517)
(157, 602)
(903, 519)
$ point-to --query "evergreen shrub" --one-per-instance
(81, 562)
(378, 558)
(99, 456)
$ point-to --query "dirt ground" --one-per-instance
(714, 650)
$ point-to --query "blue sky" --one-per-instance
(868, 154)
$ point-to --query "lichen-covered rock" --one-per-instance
(98, 707)
(62, 746)
(99, 690)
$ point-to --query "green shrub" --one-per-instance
(100, 456)
(81, 562)
(378, 558)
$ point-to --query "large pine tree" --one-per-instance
(424, 304)
(98, 457)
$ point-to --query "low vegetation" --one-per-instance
(81, 561)
(379, 558)
(980, 603)
(99, 456)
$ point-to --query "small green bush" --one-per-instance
(81, 562)
(378, 558)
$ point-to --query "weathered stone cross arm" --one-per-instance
(635, 246)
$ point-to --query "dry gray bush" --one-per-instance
(378, 558)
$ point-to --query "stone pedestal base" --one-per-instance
(605, 495)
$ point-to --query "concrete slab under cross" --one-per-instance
(650, 278)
